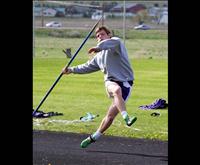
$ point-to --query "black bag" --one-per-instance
(41, 114)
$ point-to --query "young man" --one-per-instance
(112, 59)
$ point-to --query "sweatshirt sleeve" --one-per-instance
(108, 44)
(88, 67)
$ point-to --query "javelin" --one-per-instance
(58, 78)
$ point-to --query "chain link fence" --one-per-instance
(73, 18)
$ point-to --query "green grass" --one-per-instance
(75, 95)
(49, 47)
(81, 33)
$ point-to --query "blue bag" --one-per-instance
(157, 104)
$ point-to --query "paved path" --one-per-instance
(54, 148)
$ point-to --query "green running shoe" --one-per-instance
(130, 121)
(87, 142)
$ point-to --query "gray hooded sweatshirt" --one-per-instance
(112, 60)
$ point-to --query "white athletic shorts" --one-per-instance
(125, 86)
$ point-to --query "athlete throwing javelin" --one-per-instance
(112, 59)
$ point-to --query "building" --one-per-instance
(130, 8)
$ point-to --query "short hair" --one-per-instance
(103, 28)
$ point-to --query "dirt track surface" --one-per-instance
(54, 148)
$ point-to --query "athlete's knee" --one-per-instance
(117, 91)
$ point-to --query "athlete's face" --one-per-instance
(102, 35)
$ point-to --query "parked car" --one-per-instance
(142, 27)
(53, 24)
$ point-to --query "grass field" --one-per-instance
(75, 95)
